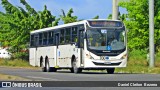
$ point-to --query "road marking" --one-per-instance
(42, 78)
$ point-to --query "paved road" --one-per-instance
(65, 75)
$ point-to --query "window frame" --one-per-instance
(51, 40)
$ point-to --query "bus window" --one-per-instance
(57, 39)
(81, 36)
(51, 37)
(67, 35)
(81, 39)
(45, 38)
(62, 36)
(40, 38)
(32, 40)
(74, 34)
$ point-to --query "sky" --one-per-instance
(84, 9)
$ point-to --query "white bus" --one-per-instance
(84, 45)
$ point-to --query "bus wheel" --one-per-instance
(75, 68)
(43, 67)
(72, 71)
(48, 68)
(53, 69)
(110, 70)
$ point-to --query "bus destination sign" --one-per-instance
(105, 24)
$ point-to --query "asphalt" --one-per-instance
(66, 75)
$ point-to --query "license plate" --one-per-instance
(107, 62)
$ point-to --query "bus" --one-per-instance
(95, 44)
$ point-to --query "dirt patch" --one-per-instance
(13, 78)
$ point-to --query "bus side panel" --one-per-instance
(47, 53)
(65, 53)
(32, 58)
(79, 58)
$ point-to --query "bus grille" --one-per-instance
(102, 58)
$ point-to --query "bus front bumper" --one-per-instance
(105, 63)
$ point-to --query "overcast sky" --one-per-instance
(84, 9)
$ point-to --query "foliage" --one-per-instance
(138, 23)
(138, 63)
(138, 54)
(120, 17)
(16, 24)
(55, 23)
(109, 16)
(96, 17)
(68, 18)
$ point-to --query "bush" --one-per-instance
(138, 54)
(21, 55)
(15, 62)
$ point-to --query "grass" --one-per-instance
(13, 63)
(16, 63)
(138, 63)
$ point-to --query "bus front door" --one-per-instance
(81, 46)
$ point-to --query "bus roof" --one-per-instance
(69, 24)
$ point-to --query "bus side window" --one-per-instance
(32, 41)
(51, 38)
(81, 39)
(45, 38)
(40, 39)
(74, 34)
(62, 41)
(67, 35)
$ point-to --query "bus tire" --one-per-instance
(47, 66)
(43, 67)
(53, 69)
(72, 71)
(110, 70)
(75, 69)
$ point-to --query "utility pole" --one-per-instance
(151, 33)
(114, 9)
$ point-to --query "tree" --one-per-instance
(138, 23)
(55, 23)
(68, 18)
(120, 17)
(16, 24)
(46, 18)
(96, 17)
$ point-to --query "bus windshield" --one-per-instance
(106, 39)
